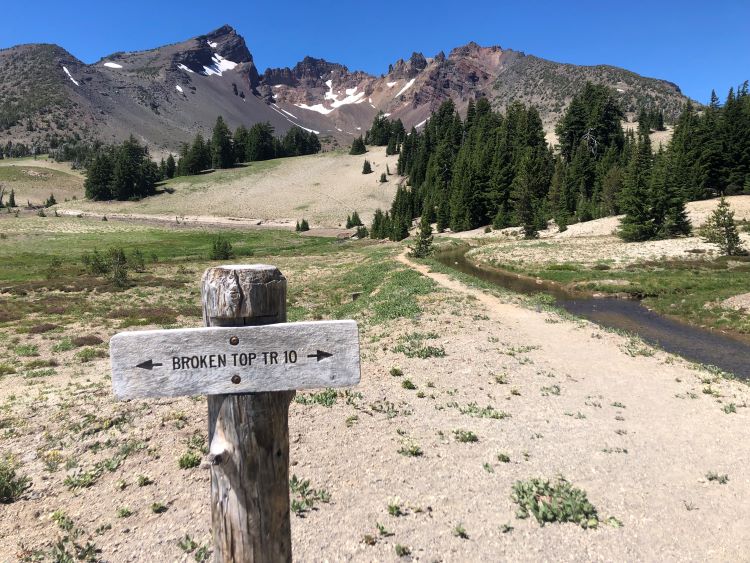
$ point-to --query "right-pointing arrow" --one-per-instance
(320, 355)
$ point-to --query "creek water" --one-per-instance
(729, 353)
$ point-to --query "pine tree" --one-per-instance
(99, 176)
(637, 225)
(383, 178)
(720, 229)
(221, 145)
(304, 225)
(162, 170)
(358, 146)
(526, 203)
(170, 166)
(12, 198)
(355, 220)
(423, 245)
(366, 168)
(556, 196)
(376, 230)
(392, 147)
(239, 143)
(380, 132)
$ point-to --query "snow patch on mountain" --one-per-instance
(212, 45)
(178, 87)
(282, 113)
(405, 88)
(351, 98)
(186, 69)
(391, 84)
(112, 65)
(289, 114)
(220, 66)
(73, 80)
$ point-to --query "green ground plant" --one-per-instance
(12, 485)
(553, 502)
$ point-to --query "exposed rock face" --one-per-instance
(166, 95)
(231, 45)
(409, 69)
(309, 73)
(201, 53)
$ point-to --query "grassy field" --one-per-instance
(34, 180)
(468, 405)
(29, 245)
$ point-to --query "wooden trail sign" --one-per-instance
(212, 361)
(249, 366)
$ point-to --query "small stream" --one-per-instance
(727, 352)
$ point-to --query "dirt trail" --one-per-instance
(674, 436)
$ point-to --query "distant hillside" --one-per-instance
(165, 95)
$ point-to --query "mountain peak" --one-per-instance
(225, 29)
(228, 43)
(473, 49)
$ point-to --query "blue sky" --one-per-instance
(697, 45)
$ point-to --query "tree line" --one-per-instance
(497, 168)
(126, 171)
(226, 149)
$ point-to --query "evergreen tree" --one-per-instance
(366, 168)
(304, 226)
(258, 143)
(121, 172)
(380, 132)
(355, 220)
(637, 225)
(720, 229)
(358, 146)
(556, 196)
(423, 245)
(162, 170)
(667, 201)
(377, 229)
(383, 178)
(170, 166)
(222, 152)
(392, 147)
(99, 176)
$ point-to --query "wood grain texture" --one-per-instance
(248, 433)
(203, 361)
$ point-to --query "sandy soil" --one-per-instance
(739, 302)
(34, 180)
(592, 250)
(594, 242)
(635, 428)
(322, 188)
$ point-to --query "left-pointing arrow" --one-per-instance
(148, 364)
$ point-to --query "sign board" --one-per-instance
(245, 359)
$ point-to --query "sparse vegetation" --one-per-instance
(12, 485)
(554, 502)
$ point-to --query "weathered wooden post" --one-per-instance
(248, 433)
(249, 362)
